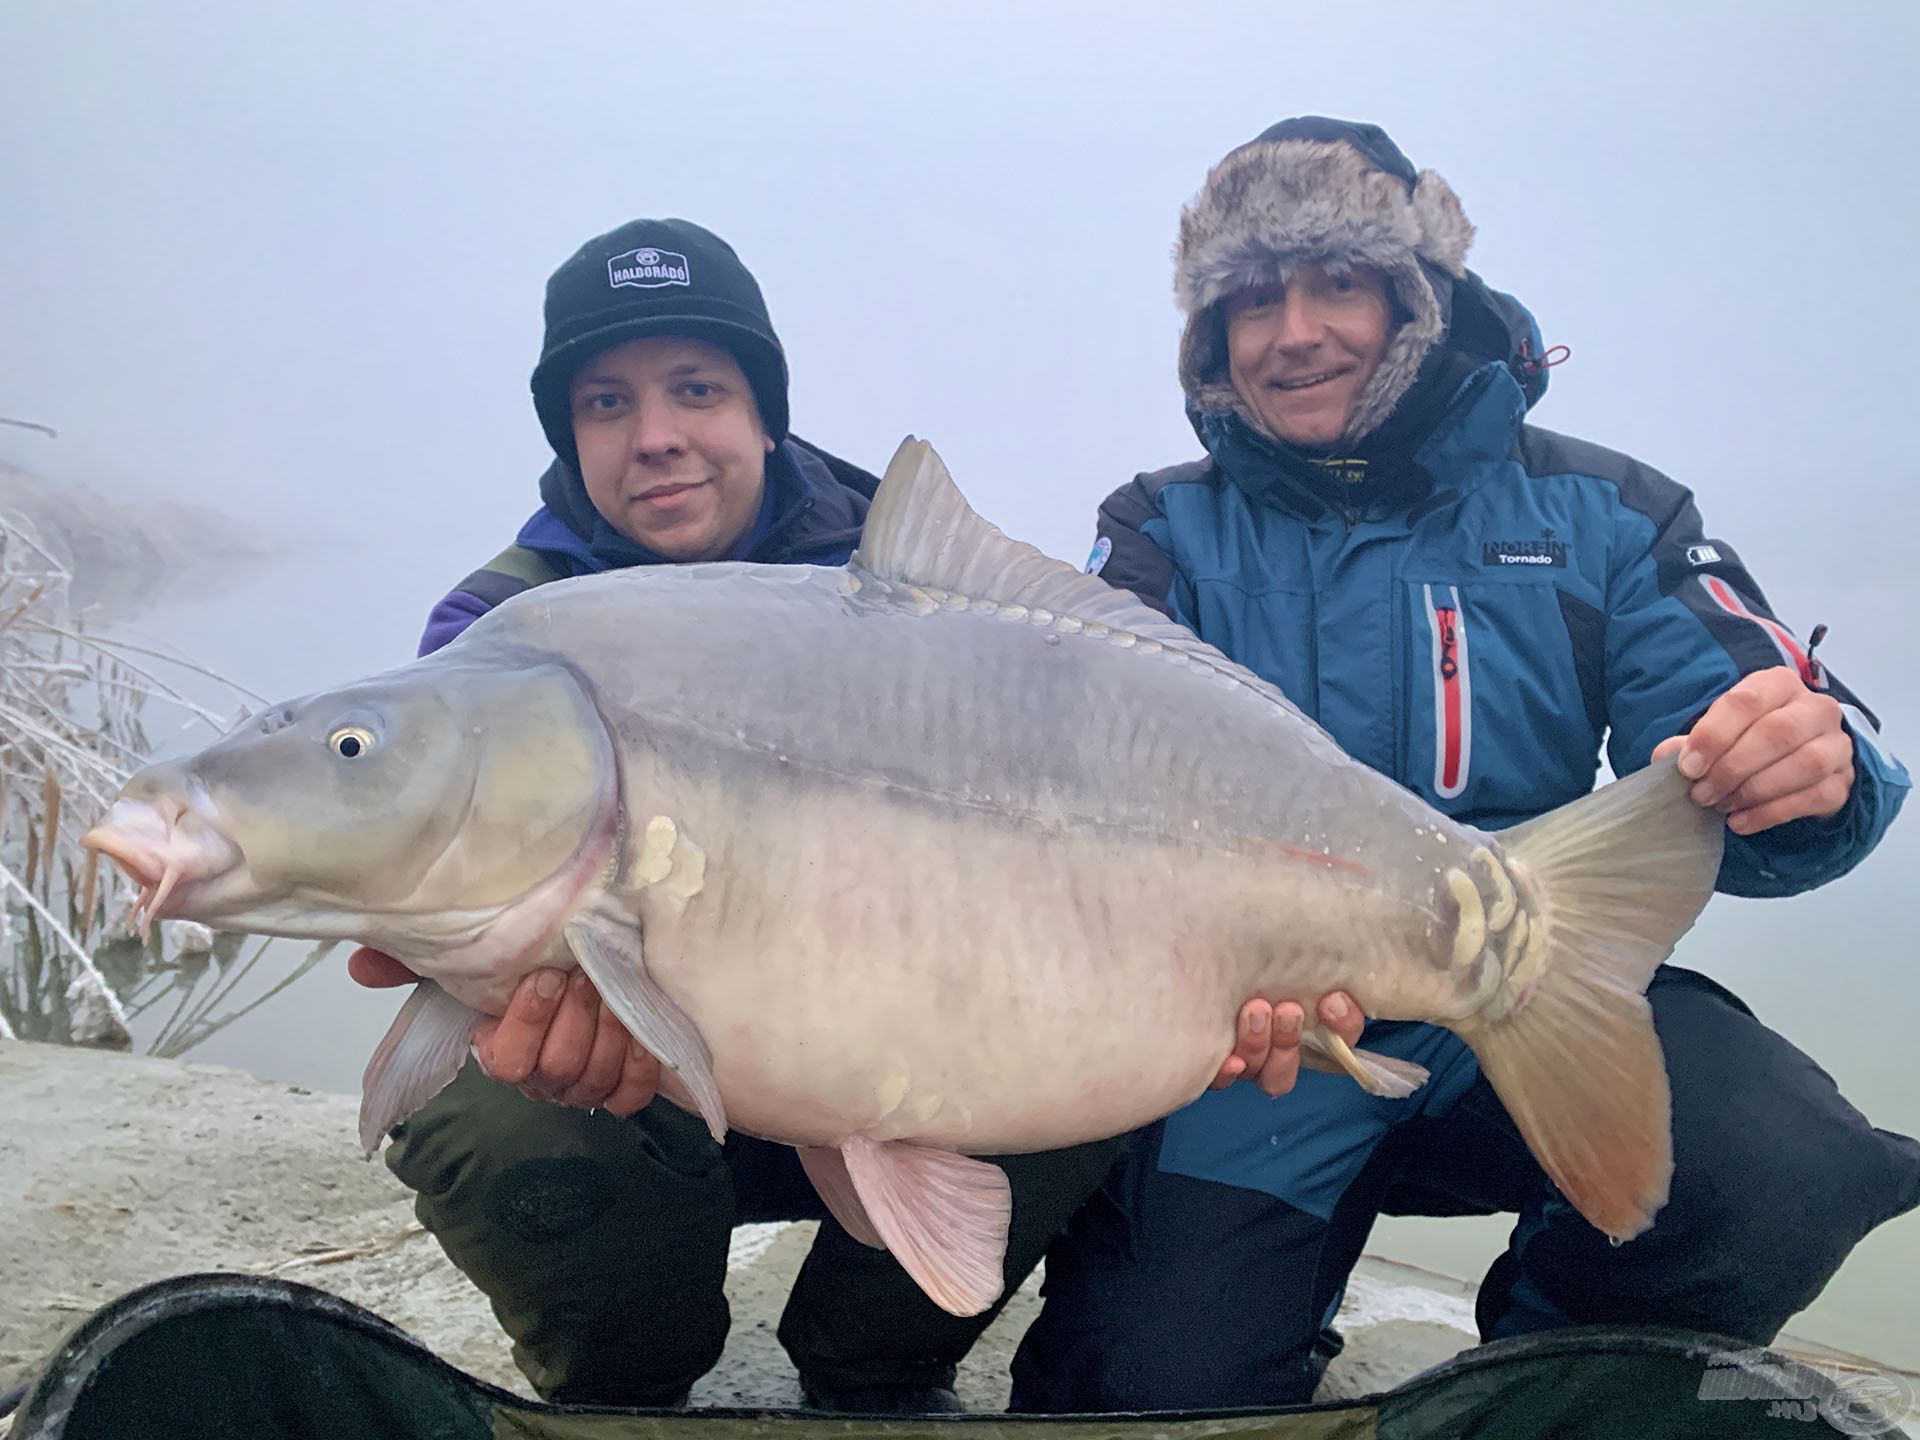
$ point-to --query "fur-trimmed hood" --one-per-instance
(1316, 191)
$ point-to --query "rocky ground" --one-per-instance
(122, 1169)
(118, 1170)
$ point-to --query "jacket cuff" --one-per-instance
(1810, 851)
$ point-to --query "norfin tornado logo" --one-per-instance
(1547, 550)
(647, 269)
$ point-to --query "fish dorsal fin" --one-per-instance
(921, 532)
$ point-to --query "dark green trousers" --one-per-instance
(602, 1244)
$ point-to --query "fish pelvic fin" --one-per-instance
(827, 1169)
(1374, 1073)
(611, 954)
(944, 1217)
(419, 1055)
(1567, 1041)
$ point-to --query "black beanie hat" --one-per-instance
(654, 277)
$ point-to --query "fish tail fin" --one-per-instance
(1568, 1042)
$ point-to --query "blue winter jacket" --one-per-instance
(1474, 628)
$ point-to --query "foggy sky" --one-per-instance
(288, 261)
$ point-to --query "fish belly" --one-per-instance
(878, 967)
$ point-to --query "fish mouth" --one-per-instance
(167, 848)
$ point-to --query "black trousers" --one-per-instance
(1169, 1292)
(602, 1244)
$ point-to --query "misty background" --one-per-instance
(286, 264)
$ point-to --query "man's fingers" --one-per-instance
(1281, 1072)
(1771, 738)
(1336, 1012)
(601, 1076)
(1340, 1013)
(1729, 717)
(1819, 800)
(639, 1079)
(1251, 1042)
(1231, 1069)
(1768, 751)
(1282, 1066)
(1824, 758)
(569, 1043)
(377, 970)
(513, 1049)
(1267, 1040)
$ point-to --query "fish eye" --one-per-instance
(350, 742)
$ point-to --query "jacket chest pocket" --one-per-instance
(1269, 630)
(1495, 722)
(1450, 687)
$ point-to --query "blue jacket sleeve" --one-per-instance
(1685, 621)
(1132, 551)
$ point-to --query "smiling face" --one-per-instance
(1300, 352)
(672, 448)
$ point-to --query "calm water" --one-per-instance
(1834, 970)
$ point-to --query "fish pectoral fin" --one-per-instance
(1375, 1073)
(827, 1169)
(614, 960)
(421, 1052)
(944, 1217)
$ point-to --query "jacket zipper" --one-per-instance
(1452, 692)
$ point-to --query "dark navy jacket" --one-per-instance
(1501, 601)
(810, 514)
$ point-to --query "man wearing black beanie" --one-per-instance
(599, 1226)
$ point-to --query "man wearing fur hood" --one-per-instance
(1471, 605)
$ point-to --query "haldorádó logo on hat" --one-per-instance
(646, 269)
(586, 314)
